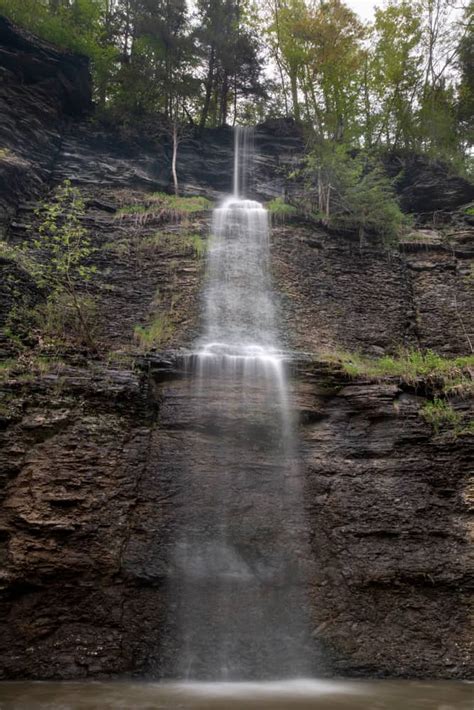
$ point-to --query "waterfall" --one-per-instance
(241, 550)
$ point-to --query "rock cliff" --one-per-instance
(93, 448)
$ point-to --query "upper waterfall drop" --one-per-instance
(244, 148)
(239, 308)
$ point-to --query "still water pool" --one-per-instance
(281, 695)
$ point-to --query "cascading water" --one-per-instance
(241, 548)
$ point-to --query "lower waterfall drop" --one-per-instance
(241, 551)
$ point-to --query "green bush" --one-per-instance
(280, 210)
(56, 256)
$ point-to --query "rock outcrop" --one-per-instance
(389, 508)
(429, 188)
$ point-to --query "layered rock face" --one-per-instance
(94, 452)
(338, 295)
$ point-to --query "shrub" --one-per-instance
(351, 192)
(56, 257)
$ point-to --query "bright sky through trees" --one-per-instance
(364, 8)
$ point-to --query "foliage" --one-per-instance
(402, 82)
(154, 58)
(465, 101)
(447, 377)
(56, 256)
(82, 26)
(161, 207)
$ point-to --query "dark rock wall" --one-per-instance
(81, 523)
(427, 187)
(93, 463)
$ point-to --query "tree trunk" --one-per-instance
(209, 82)
(277, 57)
(174, 159)
(294, 96)
(224, 100)
(235, 100)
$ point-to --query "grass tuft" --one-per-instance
(450, 374)
(280, 210)
(161, 208)
(154, 335)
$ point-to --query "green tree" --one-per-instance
(230, 55)
(289, 50)
(396, 75)
(350, 192)
(465, 100)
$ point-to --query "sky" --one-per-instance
(364, 8)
